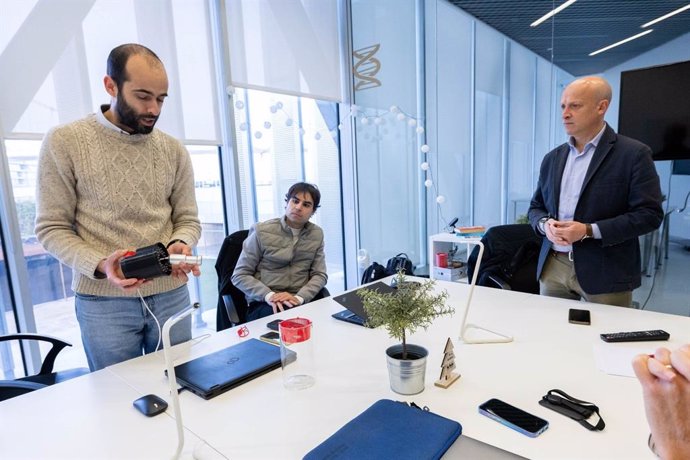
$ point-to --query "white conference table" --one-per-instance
(90, 417)
(261, 419)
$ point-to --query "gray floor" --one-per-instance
(669, 284)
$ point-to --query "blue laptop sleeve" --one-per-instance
(390, 429)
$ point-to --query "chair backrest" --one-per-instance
(46, 376)
(510, 254)
(229, 296)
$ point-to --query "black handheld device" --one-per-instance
(576, 316)
(150, 405)
(153, 261)
(512, 417)
(635, 336)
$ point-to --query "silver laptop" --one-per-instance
(465, 447)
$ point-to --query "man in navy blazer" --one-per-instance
(596, 195)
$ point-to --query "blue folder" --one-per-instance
(390, 429)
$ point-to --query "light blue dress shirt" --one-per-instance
(571, 183)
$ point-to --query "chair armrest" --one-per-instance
(231, 309)
(49, 361)
(11, 388)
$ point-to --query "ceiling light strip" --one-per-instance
(667, 15)
(552, 13)
(621, 42)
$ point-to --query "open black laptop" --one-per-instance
(213, 374)
(355, 308)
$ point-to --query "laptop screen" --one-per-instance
(353, 302)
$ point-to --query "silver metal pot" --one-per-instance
(407, 375)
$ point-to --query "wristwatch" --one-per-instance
(541, 224)
(588, 232)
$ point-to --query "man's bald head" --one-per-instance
(583, 104)
(594, 86)
(120, 55)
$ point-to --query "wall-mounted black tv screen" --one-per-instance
(655, 109)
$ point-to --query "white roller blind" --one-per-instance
(286, 46)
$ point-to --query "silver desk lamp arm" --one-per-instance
(172, 380)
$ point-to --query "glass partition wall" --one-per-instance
(388, 121)
(492, 112)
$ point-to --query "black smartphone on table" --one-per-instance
(273, 325)
(512, 417)
(576, 316)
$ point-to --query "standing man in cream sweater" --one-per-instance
(109, 183)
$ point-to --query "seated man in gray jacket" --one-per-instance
(282, 264)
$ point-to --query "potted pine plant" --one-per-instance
(411, 306)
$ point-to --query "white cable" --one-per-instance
(154, 318)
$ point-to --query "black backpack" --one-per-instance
(373, 272)
(399, 262)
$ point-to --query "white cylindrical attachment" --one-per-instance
(184, 259)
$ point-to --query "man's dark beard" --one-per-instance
(130, 118)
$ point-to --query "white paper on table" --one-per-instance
(616, 358)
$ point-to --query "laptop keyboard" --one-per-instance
(350, 317)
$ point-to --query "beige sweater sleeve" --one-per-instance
(185, 220)
(56, 201)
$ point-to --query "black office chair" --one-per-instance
(45, 377)
(510, 258)
(232, 304)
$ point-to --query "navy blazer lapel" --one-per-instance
(559, 167)
(606, 143)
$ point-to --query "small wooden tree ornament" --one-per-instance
(448, 377)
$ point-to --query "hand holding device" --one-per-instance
(576, 316)
(512, 417)
(153, 261)
(111, 268)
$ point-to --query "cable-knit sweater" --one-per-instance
(99, 190)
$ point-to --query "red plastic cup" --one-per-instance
(295, 330)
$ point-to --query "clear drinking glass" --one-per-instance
(297, 353)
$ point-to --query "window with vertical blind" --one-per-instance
(285, 65)
(288, 46)
(282, 140)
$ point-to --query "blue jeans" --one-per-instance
(115, 329)
(258, 310)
